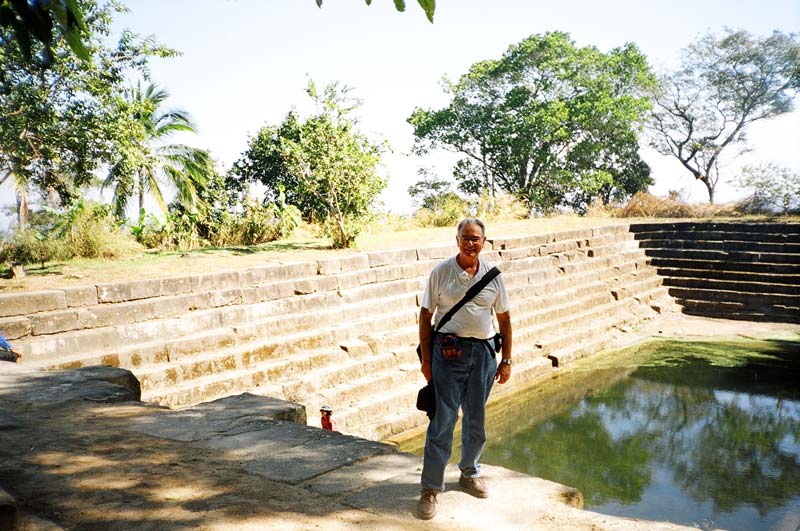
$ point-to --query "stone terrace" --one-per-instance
(744, 271)
(340, 331)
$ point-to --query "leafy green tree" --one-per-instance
(325, 167)
(263, 162)
(722, 86)
(143, 161)
(772, 186)
(335, 163)
(439, 205)
(548, 122)
(59, 113)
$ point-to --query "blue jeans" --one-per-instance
(464, 382)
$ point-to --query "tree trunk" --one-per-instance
(710, 188)
(22, 211)
(141, 194)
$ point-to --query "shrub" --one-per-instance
(91, 231)
(258, 224)
(29, 246)
(645, 205)
(444, 212)
(502, 207)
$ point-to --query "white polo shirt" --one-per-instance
(448, 283)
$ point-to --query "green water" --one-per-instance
(695, 433)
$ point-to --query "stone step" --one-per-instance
(530, 312)
(727, 245)
(722, 265)
(589, 295)
(750, 300)
(117, 342)
(332, 316)
(569, 277)
(553, 335)
(588, 346)
(734, 276)
(350, 382)
(718, 227)
(724, 256)
(267, 356)
(740, 311)
(743, 286)
(760, 237)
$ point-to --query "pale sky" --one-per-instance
(246, 63)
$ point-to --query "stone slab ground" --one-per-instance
(80, 452)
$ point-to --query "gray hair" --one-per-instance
(471, 221)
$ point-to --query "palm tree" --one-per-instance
(145, 162)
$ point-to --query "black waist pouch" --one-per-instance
(426, 400)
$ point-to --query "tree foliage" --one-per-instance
(428, 6)
(772, 187)
(323, 165)
(35, 21)
(335, 163)
(59, 114)
(548, 122)
(142, 159)
(722, 86)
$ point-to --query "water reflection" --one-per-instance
(692, 433)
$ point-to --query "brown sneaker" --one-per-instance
(427, 504)
(475, 486)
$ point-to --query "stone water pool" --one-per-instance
(696, 433)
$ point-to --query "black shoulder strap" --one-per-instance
(471, 292)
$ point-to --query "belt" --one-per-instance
(473, 339)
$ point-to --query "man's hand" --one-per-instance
(504, 369)
(503, 373)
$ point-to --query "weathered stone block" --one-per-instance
(417, 269)
(388, 273)
(492, 256)
(368, 276)
(329, 266)
(79, 296)
(108, 315)
(113, 292)
(55, 322)
(15, 327)
(216, 281)
(48, 349)
(355, 263)
(356, 348)
(326, 283)
(348, 280)
(146, 289)
(176, 285)
(304, 287)
(438, 252)
(276, 290)
(394, 257)
(31, 302)
(226, 297)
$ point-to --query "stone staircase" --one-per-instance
(746, 271)
(341, 331)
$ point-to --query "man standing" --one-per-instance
(460, 360)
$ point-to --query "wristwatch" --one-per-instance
(507, 361)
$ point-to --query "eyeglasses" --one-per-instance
(473, 240)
